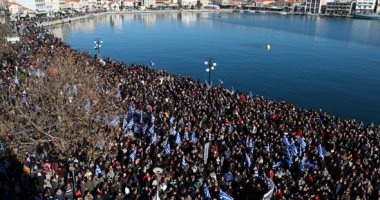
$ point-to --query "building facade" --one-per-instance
(313, 6)
(365, 5)
(339, 7)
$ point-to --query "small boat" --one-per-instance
(283, 13)
(366, 16)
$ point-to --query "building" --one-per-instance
(365, 5)
(339, 7)
(77, 5)
(313, 6)
(204, 2)
(149, 3)
(16, 9)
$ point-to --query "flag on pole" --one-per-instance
(193, 138)
(285, 140)
(154, 138)
(151, 130)
(206, 192)
(167, 149)
(133, 154)
(171, 120)
(225, 196)
(301, 142)
(302, 165)
(183, 162)
(178, 139)
(293, 147)
(130, 124)
(98, 171)
(248, 160)
(322, 151)
(186, 136)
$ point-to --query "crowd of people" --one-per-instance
(210, 142)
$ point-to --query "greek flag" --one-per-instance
(276, 165)
(301, 142)
(310, 166)
(232, 90)
(165, 142)
(206, 192)
(17, 82)
(133, 154)
(87, 105)
(136, 129)
(293, 147)
(154, 138)
(151, 129)
(224, 196)
(151, 63)
(302, 165)
(131, 108)
(221, 82)
(209, 136)
(267, 148)
(130, 124)
(322, 151)
(178, 139)
(171, 120)
(248, 160)
(285, 140)
(144, 128)
(115, 121)
(193, 138)
(167, 149)
(250, 95)
(230, 129)
(173, 131)
(125, 122)
(251, 147)
(152, 119)
(98, 171)
(183, 162)
(186, 136)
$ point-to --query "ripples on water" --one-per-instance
(315, 62)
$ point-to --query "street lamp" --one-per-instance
(158, 172)
(210, 65)
(97, 45)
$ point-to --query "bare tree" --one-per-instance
(60, 107)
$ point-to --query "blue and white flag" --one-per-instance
(301, 142)
(186, 136)
(151, 130)
(230, 129)
(173, 131)
(131, 108)
(152, 119)
(171, 120)
(267, 148)
(130, 124)
(293, 148)
(133, 154)
(115, 121)
(302, 165)
(167, 149)
(250, 95)
(276, 165)
(285, 140)
(206, 193)
(178, 139)
(98, 171)
(322, 151)
(144, 128)
(209, 136)
(87, 105)
(151, 63)
(224, 196)
(310, 166)
(248, 160)
(232, 90)
(183, 162)
(193, 138)
(251, 147)
(154, 138)
(125, 123)
(136, 129)
(16, 81)
(221, 82)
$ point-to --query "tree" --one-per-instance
(59, 110)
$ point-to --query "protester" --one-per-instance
(210, 142)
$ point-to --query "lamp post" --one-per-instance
(210, 65)
(97, 45)
(158, 172)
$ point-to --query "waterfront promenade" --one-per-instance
(210, 142)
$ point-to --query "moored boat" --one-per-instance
(366, 16)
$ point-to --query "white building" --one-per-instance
(187, 3)
(365, 5)
(18, 9)
(149, 3)
(314, 6)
